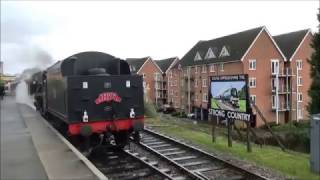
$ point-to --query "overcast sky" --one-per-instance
(33, 33)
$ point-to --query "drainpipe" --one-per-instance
(189, 98)
(277, 96)
(297, 78)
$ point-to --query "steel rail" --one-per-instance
(247, 173)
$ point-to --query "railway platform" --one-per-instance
(31, 150)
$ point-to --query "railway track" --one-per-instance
(160, 157)
(190, 162)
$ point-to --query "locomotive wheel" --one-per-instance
(136, 136)
(121, 139)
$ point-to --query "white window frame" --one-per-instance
(275, 61)
(196, 69)
(210, 54)
(212, 68)
(299, 80)
(221, 67)
(254, 80)
(273, 83)
(300, 98)
(197, 57)
(204, 97)
(300, 113)
(204, 82)
(252, 64)
(253, 98)
(196, 83)
(299, 64)
(204, 69)
(224, 52)
(273, 101)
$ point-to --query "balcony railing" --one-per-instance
(284, 72)
(283, 90)
(282, 107)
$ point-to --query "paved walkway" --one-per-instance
(30, 150)
(19, 158)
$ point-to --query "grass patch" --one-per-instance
(214, 103)
(243, 105)
(290, 163)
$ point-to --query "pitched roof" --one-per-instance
(136, 63)
(235, 44)
(164, 64)
(289, 42)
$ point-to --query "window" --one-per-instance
(212, 68)
(224, 52)
(176, 93)
(196, 69)
(221, 67)
(204, 82)
(204, 69)
(252, 64)
(158, 94)
(175, 82)
(157, 76)
(197, 57)
(299, 80)
(171, 92)
(205, 97)
(143, 75)
(253, 98)
(299, 64)
(252, 82)
(196, 83)
(299, 97)
(274, 101)
(273, 83)
(209, 54)
(196, 97)
(170, 74)
(274, 66)
(300, 113)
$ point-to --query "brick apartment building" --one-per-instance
(147, 68)
(154, 77)
(161, 80)
(254, 52)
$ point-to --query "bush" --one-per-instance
(150, 110)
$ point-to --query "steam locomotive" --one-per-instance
(94, 96)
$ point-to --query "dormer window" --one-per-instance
(197, 57)
(132, 68)
(210, 54)
(224, 52)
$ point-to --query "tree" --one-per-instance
(314, 91)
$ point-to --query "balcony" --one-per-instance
(282, 107)
(287, 72)
(283, 90)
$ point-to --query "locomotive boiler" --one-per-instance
(94, 96)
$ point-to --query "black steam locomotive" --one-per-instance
(94, 95)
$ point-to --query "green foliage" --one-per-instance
(179, 114)
(150, 110)
(314, 91)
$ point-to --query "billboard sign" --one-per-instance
(229, 97)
